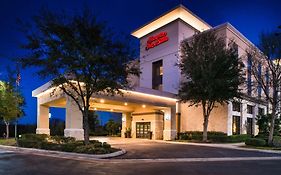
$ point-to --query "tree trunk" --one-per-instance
(205, 123)
(86, 127)
(272, 120)
(271, 129)
(205, 128)
(7, 130)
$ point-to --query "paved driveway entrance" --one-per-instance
(149, 149)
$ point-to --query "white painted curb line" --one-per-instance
(62, 154)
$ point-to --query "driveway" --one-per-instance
(25, 164)
(148, 149)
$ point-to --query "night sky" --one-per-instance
(250, 17)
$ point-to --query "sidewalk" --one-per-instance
(236, 146)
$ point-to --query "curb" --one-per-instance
(236, 146)
(62, 154)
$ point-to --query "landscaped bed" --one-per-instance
(65, 144)
(8, 142)
(213, 137)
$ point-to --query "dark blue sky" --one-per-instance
(249, 17)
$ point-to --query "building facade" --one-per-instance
(152, 105)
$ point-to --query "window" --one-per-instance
(267, 80)
(259, 80)
(250, 109)
(261, 111)
(236, 106)
(157, 75)
(249, 126)
(235, 125)
(249, 75)
(235, 47)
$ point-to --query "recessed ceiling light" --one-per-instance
(126, 104)
(111, 109)
(95, 109)
(143, 106)
(102, 100)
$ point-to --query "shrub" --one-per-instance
(238, 138)
(106, 145)
(276, 141)
(198, 135)
(255, 142)
(62, 139)
(33, 140)
(29, 143)
(67, 144)
(35, 137)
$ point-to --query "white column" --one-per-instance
(255, 126)
(243, 119)
(229, 118)
(170, 131)
(126, 123)
(73, 120)
(42, 119)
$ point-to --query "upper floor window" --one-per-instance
(236, 106)
(235, 47)
(261, 111)
(249, 75)
(250, 109)
(157, 75)
(259, 80)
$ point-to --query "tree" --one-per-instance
(112, 127)
(11, 103)
(81, 55)
(213, 73)
(93, 121)
(266, 70)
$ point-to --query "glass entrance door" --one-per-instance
(142, 129)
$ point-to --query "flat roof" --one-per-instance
(180, 12)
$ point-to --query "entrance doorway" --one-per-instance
(142, 129)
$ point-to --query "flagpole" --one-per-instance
(17, 90)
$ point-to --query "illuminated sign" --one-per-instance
(154, 41)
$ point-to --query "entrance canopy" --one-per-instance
(139, 105)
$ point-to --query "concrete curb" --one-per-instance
(236, 146)
(62, 154)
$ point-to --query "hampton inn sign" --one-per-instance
(153, 107)
(156, 40)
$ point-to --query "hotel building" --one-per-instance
(153, 105)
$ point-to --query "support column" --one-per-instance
(243, 119)
(73, 120)
(229, 118)
(255, 126)
(126, 123)
(42, 119)
(170, 131)
(178, 117)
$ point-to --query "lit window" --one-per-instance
(157, 75)
(235, 125)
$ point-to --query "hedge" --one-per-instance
(66, 144)
(255, 142)
(276, 141)
(213, 137)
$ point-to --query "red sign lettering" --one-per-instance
(154, 41)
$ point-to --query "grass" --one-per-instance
(8, 142)
(263, 147)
